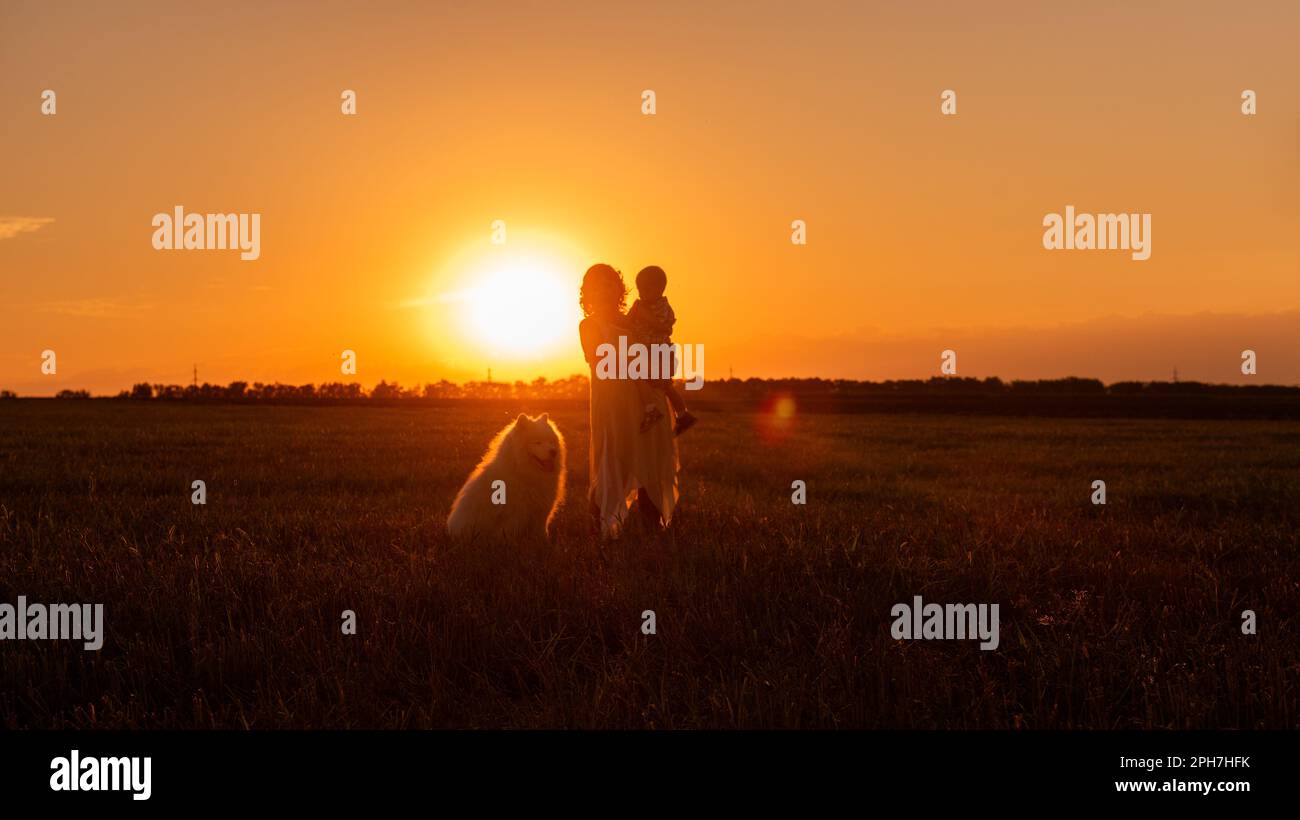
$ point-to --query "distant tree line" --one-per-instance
(240, 391)
(950, 385)
(744, 390)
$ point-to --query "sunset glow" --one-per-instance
(521, 308)
(924, 231)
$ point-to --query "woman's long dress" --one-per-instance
(624, 458)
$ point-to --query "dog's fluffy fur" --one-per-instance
(528, 455)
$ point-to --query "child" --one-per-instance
(654, 318)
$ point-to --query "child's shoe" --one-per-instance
(684, 422)
(651, 416)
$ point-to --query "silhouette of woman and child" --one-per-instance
(633, 454)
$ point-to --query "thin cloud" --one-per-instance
(96, 308)
(11, 226)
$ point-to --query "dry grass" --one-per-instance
(769, 615)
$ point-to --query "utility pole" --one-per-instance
(196, 374)
(489, 375)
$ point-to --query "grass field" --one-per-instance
(768, 614)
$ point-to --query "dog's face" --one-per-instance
(540, 439)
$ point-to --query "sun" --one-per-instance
(521, 306)
(511, 310)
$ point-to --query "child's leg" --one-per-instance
(685, 418)
(651, 412)
(675, 398)
(646, 395)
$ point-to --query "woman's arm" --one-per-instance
(589, 334)
(589, 331)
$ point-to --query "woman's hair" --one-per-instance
(602, 285)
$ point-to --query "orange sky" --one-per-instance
(924, 231)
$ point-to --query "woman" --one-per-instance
(626, 462)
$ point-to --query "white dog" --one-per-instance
(527, 458)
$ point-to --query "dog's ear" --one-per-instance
(522, 420)
(543, 418)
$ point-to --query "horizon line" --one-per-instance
(184, 389)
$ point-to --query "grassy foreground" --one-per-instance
(768, 614)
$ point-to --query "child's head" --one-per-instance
(651, 281)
